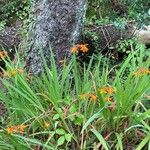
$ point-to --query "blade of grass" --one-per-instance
(100, 138)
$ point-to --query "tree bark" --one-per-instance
(9, 38)
(58, 26)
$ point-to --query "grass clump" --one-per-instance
(82, 108)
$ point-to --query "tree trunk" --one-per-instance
(58, 25)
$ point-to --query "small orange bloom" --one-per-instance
(16, 129)
(10, 130)
(13, 72)
(109, 99)
(74, 49)
(141, 71)
(83, 48)
(92, 97)
(22, 127)
(83, 96)
(106, 90)
(3, 54)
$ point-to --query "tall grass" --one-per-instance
(72, 109)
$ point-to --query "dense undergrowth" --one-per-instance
(90, 107)
(97, 105)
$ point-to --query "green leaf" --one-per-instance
(119, 139)
(73, 109)
(61, 141)
(33, 141)
(60, 131)
(79, 119)
(91, 119)
(143, 143)
(56, 117)
(100, 138)
(68, 137)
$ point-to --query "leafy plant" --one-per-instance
(78, 108)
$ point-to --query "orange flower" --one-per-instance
(16, 129)
(13, 72)
(92, 97)
(106, 90)
(141, 71)
(74, 49)
(10, 130)
(22, 128)
(109, 99)
(83, 48)
(83, 96)
(3, 54)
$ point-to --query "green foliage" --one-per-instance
(60, 112)
(13, 10)
(137, 10)
(68, 110)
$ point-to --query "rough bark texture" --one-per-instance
(58, 25)
(9, 38)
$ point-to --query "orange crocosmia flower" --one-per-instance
(83, 48)
(109, 99)
(74, 49)
(102, 90)
(22, 128)
(13, 129)
(13, 72)
(141, 71)
(110, 90)
(106, 90)
(16, 129)
(3, 54)
(10, 130)
(92, 97)
(84, 95)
